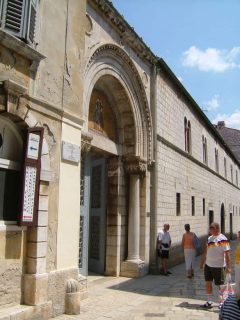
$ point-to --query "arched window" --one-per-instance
(11, 146)
(231, 170)
(225, 168)
(216, 160)
(187, 135)
(204, 143)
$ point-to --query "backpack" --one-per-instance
(197, 244)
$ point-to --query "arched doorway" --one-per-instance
(119, 124)
(222, 219)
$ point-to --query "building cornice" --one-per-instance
(192, 159)
(162, 67)
(125, 31)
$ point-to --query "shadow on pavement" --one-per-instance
(195, 306)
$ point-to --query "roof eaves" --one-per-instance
(162, 65)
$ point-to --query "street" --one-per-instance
(172, 297)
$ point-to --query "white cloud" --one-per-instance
(231, 120)
(212, 59)
(212, 104)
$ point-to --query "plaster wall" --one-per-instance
(14, 66)
(12, 263)
(61, 40)
(69, 204)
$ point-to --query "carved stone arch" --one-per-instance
(113, 62)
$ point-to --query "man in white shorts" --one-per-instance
(163, 246)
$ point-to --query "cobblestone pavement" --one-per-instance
(152, 297)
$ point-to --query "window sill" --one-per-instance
(20, 47)
(11, 226)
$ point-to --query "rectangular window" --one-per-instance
(19, 17)
(236, 178)
(178, 204)
(203, 207)
(193, 206)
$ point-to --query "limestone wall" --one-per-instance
(179, 172)
(12, 264)
(172, 108)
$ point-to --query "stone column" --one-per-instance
(134, 218)
(134, 266)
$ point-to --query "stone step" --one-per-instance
(23, 312)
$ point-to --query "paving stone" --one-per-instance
(152, 297)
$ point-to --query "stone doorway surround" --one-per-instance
(112, 72)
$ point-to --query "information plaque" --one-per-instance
(31, 177)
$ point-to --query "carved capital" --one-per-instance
(135, 165)
(86, 142)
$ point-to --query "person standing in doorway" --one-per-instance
(189, 250)
(163, 245)
(216, 254)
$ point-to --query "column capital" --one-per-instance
(86, 139)
(135, 165)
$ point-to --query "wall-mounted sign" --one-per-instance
(29, 193)
(31, 177)
(33, 146)
(70, 152)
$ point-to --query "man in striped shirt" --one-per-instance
(230, 310)
(216, 254)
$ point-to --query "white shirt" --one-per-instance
(216, 247)
(165, 237)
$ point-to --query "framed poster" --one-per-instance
(31, 177)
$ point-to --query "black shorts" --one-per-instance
(216, 274)
(164, 254)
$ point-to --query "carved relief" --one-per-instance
(127, 34)
(86, 142)
(135, 165)
(121, 56)
(101, 118)
(89, 25)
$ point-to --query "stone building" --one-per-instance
(106, 143)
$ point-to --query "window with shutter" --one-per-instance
(1, 4)
(32, 16)
(19, 18)
(13, 16)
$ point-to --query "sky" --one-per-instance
(200, 42)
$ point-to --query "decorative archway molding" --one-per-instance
(111, 60)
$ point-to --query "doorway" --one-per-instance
(222, 219)
(92, 242)
(231, 226)
(210, 217)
